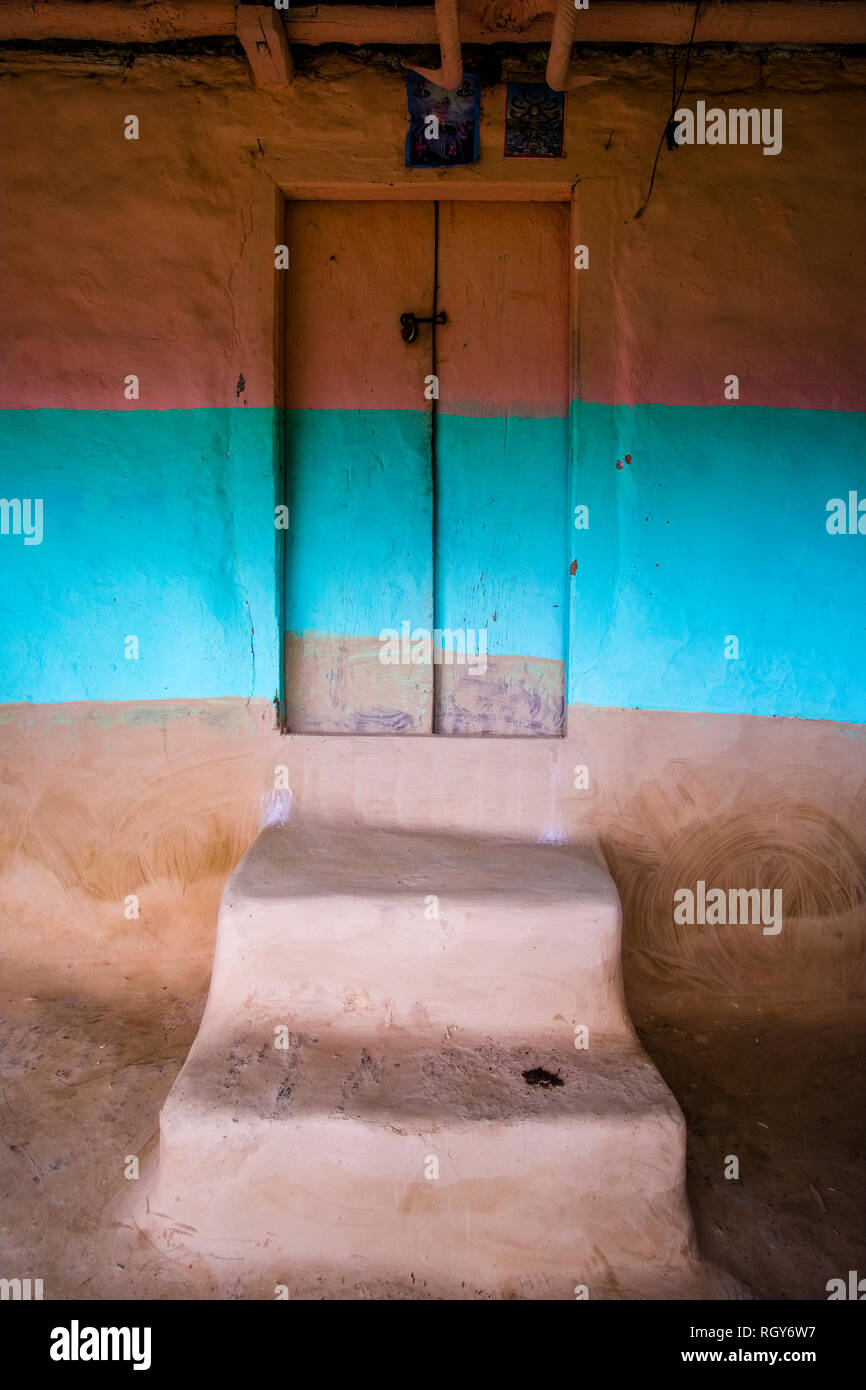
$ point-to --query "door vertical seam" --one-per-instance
(434, 406)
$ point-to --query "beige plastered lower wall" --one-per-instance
(113, 809)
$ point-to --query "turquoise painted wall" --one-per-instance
(718, 528)
(161, 524)
(156, 523)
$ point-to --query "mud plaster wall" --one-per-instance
(156, 257)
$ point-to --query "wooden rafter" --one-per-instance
(263, 34)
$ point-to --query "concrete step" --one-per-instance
(379, 1097)
(443, 1162)
(367, 926)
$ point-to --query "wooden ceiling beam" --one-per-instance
(531, 21)
(116, 21)
(834, 22)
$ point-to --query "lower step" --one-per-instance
(521, 1168)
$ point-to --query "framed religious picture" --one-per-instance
(534, 121)
(443, 125)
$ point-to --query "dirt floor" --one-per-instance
(91, 1047)
(786, 1094)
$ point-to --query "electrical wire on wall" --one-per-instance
(676, 98)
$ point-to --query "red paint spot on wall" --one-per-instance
(628, 458)
(573, 569)
(619, 463)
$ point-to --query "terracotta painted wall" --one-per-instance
(155, 257)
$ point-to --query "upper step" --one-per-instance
(364, 929)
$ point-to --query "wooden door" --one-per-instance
(359, 558)
(501, 450)
(427, 481)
